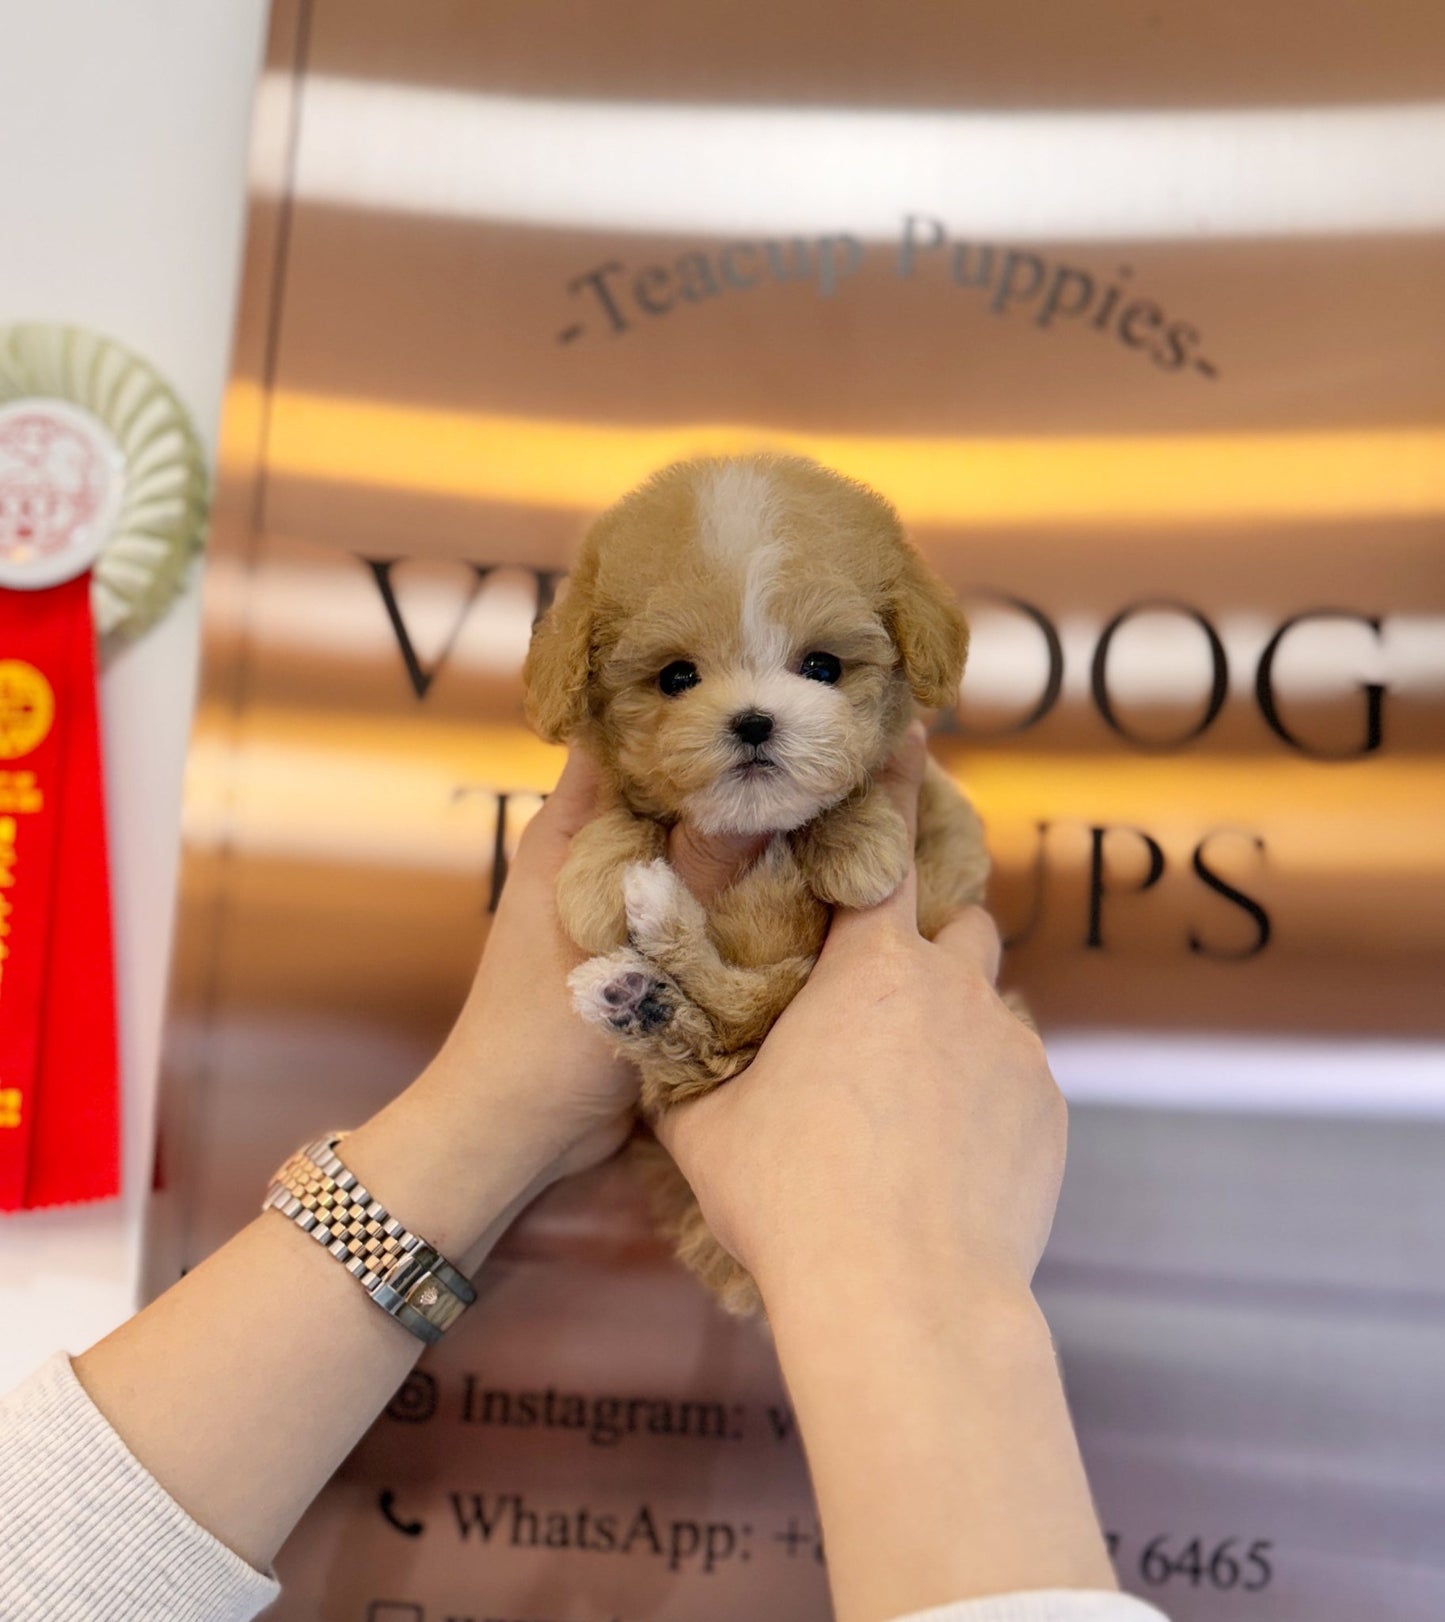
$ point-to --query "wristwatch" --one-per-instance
(406, 1277)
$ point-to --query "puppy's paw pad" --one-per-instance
(621, 994)
(652, 894)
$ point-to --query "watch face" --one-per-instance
(439, 1305)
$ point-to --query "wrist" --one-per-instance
(904, 1291)
(455, 1169)
(938, 1438)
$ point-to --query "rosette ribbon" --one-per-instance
(102, 506)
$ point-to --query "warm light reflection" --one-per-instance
(337, 789)
(316, 611)
(342, 789)
(1060, 480)
(1056, 174)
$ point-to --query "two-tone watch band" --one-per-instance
(399, 1270)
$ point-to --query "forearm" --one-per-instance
(940, 1445)
(245, 1385)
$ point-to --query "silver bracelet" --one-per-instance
(406, 1277)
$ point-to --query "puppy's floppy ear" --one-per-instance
(559, 659)
(929, 628)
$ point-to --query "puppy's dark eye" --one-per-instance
(678, 677)
(821, 667)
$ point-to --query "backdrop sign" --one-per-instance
(1132, 316)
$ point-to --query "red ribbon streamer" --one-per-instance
(59, 1089)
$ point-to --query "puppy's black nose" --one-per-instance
(753, 727)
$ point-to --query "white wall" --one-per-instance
(124, 130)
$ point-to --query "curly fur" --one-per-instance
(741, 567)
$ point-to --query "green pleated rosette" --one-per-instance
(161, 523)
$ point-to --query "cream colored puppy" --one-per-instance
(742, 646)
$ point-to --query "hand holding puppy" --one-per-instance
(898, 1117)
(887, 1171)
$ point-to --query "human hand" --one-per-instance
(517, 1050)
(522, 1092)
(898, 1116)
(887, 1169)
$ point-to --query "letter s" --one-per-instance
(1237, 898)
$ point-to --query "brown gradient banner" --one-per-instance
(1136, 319)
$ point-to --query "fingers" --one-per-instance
(708, 863)
(668, 1127)
(972, 936)
(565, 812)
(901, 780)
(678, 1129)
(570, 805)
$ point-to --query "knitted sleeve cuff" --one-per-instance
(1045, 1605)
(87, 1532)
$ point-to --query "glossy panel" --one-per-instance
(1133, 312)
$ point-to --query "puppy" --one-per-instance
(742, 645)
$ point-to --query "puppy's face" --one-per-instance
(753, 689)
(742, 642)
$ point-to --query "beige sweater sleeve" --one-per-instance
(1045, 1605)
(87, 1534)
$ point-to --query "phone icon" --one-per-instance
(387, 1505)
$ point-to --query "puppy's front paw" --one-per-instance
(661, 910)
(650, 893)
(589, 904)
(861, 874)
(623, 994)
